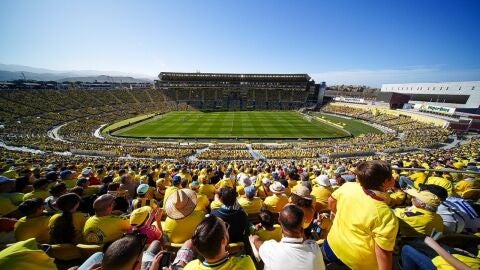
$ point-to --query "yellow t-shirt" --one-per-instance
(442, 264)
(99, 230)
(418, 222)
(25, 255)
(397, 198)
(266, 235)
(361, 222)
(251, 207)
(79, 220)
(71, 183)
(15, 197)
(43, 194)
(140, 202)
(6, 206)
(440, 181)
(418, 178)
(276, 202)
(321, 194)
(263, 192)
(225, 182)
(215, 204)
(37, 228)
(465, 185)
(202, 203)
(243, 262)
(179, 231)
(207, 190)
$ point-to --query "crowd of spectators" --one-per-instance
(278, 214)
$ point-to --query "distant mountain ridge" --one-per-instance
(14, 72)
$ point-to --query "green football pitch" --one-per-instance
(245, 124)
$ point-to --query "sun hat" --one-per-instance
(323, 180)
(425, 196)
(181, 203)
(139, 215)
(142, 189)
(266, 181)
(303, 192)
(277, 188)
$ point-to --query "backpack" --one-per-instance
(459, 215)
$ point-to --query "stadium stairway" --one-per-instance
(255, 154)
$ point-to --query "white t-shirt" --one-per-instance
(291, 253)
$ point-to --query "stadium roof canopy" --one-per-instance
(181, 76)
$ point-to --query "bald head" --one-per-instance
(103, 203)
(291, 218)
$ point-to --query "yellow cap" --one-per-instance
(139, 215)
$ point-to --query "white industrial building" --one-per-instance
(459, 95)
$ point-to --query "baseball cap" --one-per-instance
(142, 189)
(4, 179)
(250, 191)
(176, 179)
(139, 215)
(82, 181)
(437, 190)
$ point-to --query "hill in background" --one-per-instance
(16, 72)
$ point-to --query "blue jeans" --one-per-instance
(414, 259)
(405, 181)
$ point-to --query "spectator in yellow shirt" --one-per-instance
(34, 224)
(278, 200)
(67, 226)
(250, 202)
(421, 218)
(40, 190)
(364, 229)
(182, 218)
(104, 227)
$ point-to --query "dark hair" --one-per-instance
(58, 189)
(372, 174)
(291, 217)
(40, 183)
(30, 206)
(77, 190)
(266, 218)
(21, 183)
(121, 204)
(63, 230)
(122, 251)
(228, 196)
(299, 201)
(284, 182)
(113, 186)
(208, 236)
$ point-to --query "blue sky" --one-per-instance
(359, 42)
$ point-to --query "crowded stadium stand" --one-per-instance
(219, 91)
(72, 196)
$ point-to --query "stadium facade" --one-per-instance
(463, 96)
(225, 91)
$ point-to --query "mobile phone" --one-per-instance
(166, 259)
